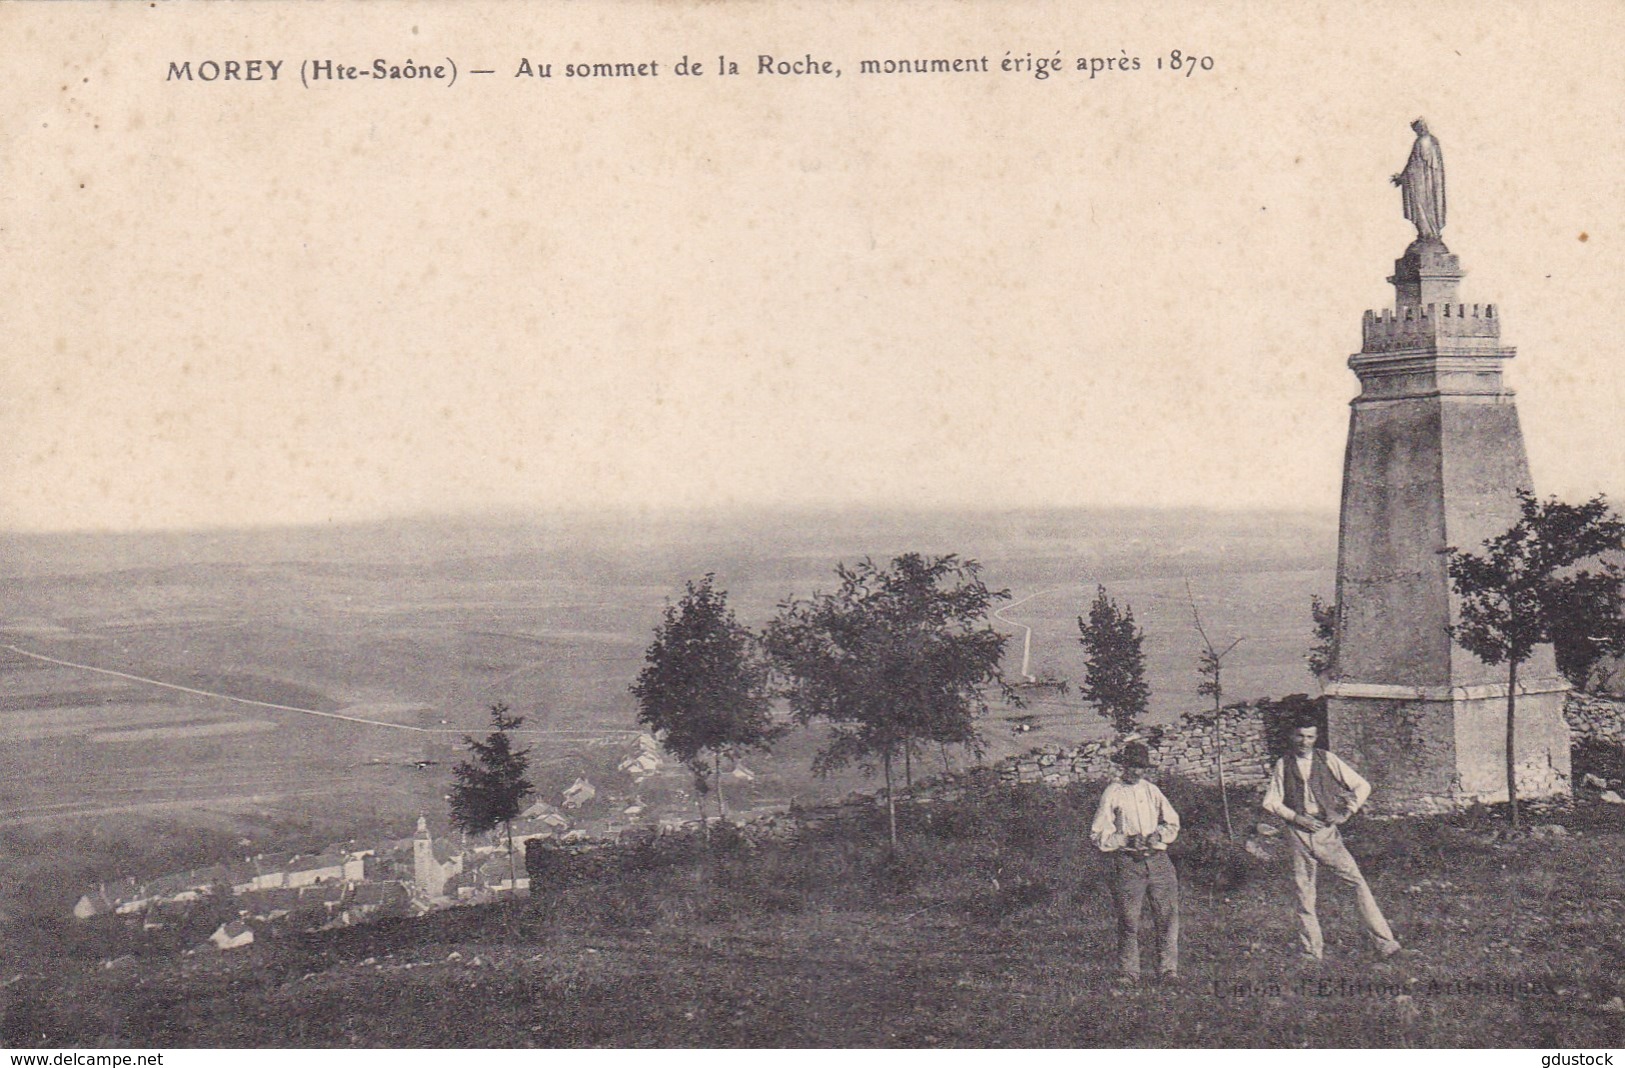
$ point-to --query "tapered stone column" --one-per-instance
(1434, 456)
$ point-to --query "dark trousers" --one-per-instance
(1134, 876)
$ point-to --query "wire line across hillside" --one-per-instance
(282, 708)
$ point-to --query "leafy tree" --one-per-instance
(1322, 655)
(491, 789)
(1586, 623)
(897, 655)
(1514, 595)
(704, 687)
(1115, 664)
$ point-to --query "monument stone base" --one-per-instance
(1437, 751)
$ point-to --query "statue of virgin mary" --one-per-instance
(1421, 183)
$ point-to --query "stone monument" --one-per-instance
(1434, 456)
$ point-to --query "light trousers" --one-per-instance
(1325, 847)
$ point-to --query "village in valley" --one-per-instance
(354, 882)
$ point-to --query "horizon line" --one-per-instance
(515, 516)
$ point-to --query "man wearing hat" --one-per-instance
(1135, 823)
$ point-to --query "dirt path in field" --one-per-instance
(1027, 637)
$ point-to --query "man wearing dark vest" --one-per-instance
(1315, 792)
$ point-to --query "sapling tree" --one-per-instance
(1210, 666)
(1516, 593)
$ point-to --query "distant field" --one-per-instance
(177, 731)
(67, 698)
(421, 626)
(85, 721)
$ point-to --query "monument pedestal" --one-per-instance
(1435, 453)
(1434, 753)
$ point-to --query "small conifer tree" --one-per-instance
(1115, 663)
(491, 789)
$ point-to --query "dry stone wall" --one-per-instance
(1187, 749)
(1595, 718)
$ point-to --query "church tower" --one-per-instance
(1435, 455)
(426, 872)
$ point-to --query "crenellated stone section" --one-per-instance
(1426, 327)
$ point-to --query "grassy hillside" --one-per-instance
(991, 927)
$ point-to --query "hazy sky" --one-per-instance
(261, 303)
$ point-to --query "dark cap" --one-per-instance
(1134, 755)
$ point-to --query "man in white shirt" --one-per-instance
(1315, 792)
(1135, 823)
